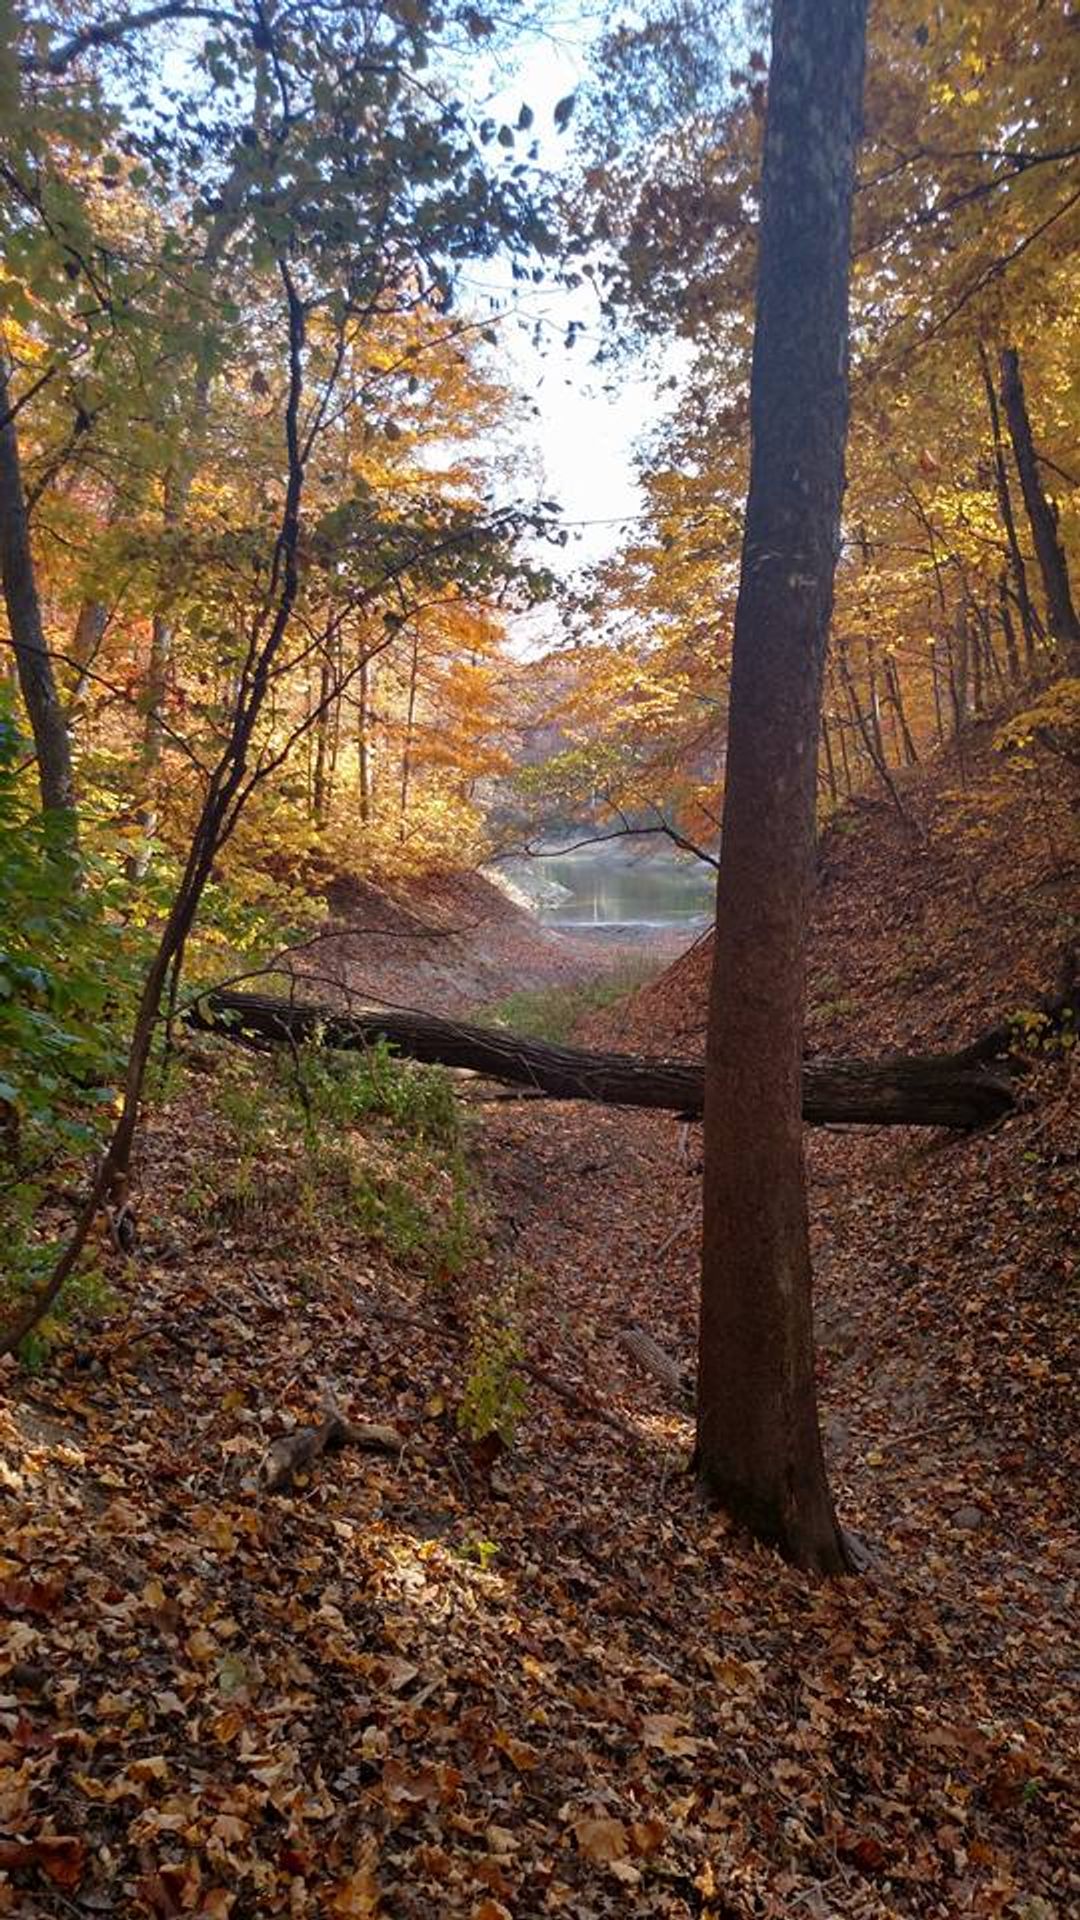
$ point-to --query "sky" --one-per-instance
(587, 416)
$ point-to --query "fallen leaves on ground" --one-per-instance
(425, 1686)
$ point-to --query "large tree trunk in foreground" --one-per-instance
(941, 1090)
(759, 1450)
(1061, 614)
(37, 681)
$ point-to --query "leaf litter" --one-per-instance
(544, 1680)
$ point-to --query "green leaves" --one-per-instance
(66, 980)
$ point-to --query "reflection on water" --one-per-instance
(607, 889)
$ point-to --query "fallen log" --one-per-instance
(294, 1452)
(676, 1382)
(935, 1090)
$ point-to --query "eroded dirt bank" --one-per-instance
(456, 942)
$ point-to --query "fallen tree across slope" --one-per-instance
(935, 1090)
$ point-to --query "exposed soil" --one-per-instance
(455, 942)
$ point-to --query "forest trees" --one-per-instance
(758, 1443)
(140, 223)
(966, 222)
(230, 375)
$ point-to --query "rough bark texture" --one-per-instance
(759, 1447)
(1008, 521)
(1061, 614)
(37, 681)
(943, 1090)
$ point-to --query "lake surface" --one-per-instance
(606, 891)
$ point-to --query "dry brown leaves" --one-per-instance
(217, 1703)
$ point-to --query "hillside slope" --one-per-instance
(451, 1682)
(926, 928)
(447, 944)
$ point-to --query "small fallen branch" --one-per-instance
(594, 1409)
(692, 1221)
(652, 1359)
(293, 1452)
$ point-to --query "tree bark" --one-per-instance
(896, 697)
(363, 746)
(323, 747)
(406, 752)
(938, 1090)
(1008, 521)
(759, 1448)
(1012, 655)
(37, 681)
(1061, 614)
(90, 626)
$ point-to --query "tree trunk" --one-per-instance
(1012, 656)
(830, 764)
(759, 1446)
(37, 681)
(323, 746)
(938, 1090)
(868, 726)
(1008, 518)
(896, 697)
(978, 700)
(958, 670)
(935, 683)
(406, 752)
(363, 744)
(90, 626)
(1061, 614)
(178, 483)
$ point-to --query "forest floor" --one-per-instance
(463, 1682)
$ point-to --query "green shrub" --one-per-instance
(69, 975)
(493, 1399)
(552, 1013)
(365, 1140)
(342, 1089)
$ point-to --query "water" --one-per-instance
(607, 890)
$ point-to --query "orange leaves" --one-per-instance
(407, 1789)
(60, 1857)
(19, 1595)
(520, 1755)
(609, 1843)
(602, 1841)
(667, 1731)
(357, 1896)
